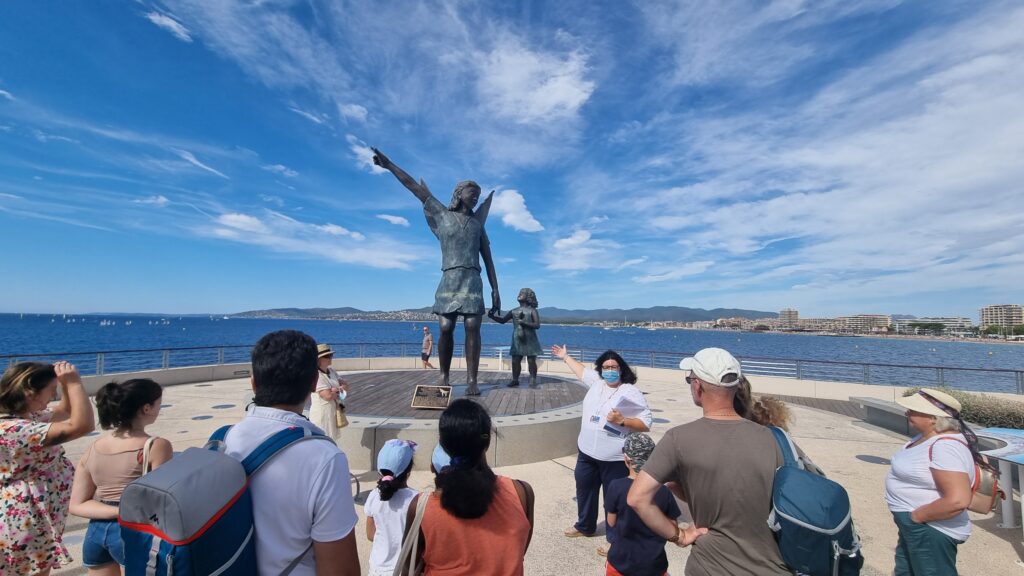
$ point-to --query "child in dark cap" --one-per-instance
(636, 550)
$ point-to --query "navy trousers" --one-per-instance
(594, 475)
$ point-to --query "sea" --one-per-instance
(49, 335)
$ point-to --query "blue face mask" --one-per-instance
(610, 376)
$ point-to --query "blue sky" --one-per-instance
(202, 156)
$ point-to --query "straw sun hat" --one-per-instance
(324, 350)
(931, 402)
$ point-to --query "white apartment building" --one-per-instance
(1002, 315)
(952, 324)
(865, 323)
(789, 319)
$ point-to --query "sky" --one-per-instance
(212, 156)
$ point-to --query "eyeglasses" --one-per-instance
(609, 367)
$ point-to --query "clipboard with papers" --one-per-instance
(630, 409)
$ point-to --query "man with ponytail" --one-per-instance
(475, 522)
(111, 462)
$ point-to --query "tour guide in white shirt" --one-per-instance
(302, 496)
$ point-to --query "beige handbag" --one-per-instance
(985, 492)
(339, 414)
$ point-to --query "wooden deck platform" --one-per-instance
(389, 393)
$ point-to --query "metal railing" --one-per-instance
(981, 379)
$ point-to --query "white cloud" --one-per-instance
(281, 233)
(396, 220)
(631, 262)
(530, 86)
(580, 251)
(158, 200)
(171, 25)
(280, 169)
(191, 159)
(511, 207)
(243, 222)
(353, 111)
(45, 137)
(6, 94)
(335, 230)
(317, 119)
(271, 199)
(689, 269)
(364, 155)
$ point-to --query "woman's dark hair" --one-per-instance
(743, 401)
(626, 375)
(468, 485)
(388, 488)
(118, 404)
(22, 380)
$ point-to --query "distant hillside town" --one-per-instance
(997, 321)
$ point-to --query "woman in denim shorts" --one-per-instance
(115, 459)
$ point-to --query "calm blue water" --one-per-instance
(44, 334)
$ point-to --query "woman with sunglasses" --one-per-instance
(610, 396)
(928, 487)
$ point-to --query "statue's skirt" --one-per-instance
(460, 292)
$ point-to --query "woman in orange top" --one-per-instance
(475, 522)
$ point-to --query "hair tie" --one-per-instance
(387, 478)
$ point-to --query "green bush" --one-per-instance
(984, 410)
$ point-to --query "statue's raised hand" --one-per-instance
(380, 159)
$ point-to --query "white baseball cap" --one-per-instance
(713, 365)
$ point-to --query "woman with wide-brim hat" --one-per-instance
(928, 488)
(330, 391)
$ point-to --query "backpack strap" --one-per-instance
(216, 441)
(789, 453)
(275, 444)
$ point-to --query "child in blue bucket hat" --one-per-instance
(386, 506)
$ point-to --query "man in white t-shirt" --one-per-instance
(302, 499)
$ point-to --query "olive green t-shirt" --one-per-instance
(725, 469)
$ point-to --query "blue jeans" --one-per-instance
(923, 550)
(593, 476)
(102, 544)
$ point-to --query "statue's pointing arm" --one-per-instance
(418, 188)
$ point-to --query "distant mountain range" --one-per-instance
(632, 315)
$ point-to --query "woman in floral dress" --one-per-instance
(35, 476)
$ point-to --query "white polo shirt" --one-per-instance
(594, 440)
(303, 494)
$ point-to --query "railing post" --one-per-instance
(166, 363)
(220, 355)
(362, 350)
(1020, 382)
(942, 377)
(652, 359)
(403, 350)
(867, 373)
(799, 370)
(99, 364)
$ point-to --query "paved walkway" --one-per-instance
(842, 407)
(852, 454)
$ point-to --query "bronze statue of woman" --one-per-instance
(463, 242)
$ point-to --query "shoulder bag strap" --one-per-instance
(409, 556)
(276, 444)
(978, 470)
(147, 449)
(526, 497)
(295, 563)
